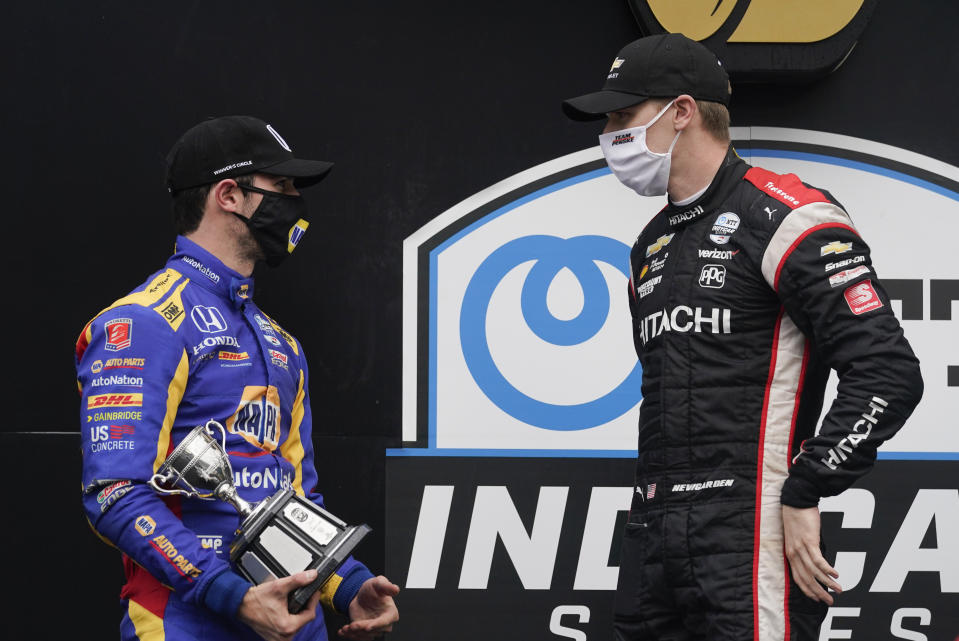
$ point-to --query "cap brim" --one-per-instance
(303, 172)
(594, 106)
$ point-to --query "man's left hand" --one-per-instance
(372, 610)
(810, 570)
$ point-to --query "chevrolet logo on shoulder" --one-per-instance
(661, 242)
(835, 247)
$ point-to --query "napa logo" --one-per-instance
(517, 334)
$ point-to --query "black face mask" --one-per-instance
(277, 224)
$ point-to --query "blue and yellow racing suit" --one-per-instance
(187, 346)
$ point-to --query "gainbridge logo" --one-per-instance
(757, 39)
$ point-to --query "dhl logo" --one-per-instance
(835, 247)
(661, 242)
(234, 356)
(114, 400)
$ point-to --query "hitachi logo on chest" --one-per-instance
(685, 319)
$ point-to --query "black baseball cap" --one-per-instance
(660, 66)
(232, 146)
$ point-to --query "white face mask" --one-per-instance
(631, 161)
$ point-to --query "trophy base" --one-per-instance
(325, 569)
(287, 534)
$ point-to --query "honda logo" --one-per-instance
(208, 319)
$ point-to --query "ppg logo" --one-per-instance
(208, 320)
(713, 276)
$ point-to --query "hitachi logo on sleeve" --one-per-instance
(684, 319)
(861, 430)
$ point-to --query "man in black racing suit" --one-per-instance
(745, 290)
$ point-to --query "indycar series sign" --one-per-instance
(521, 395)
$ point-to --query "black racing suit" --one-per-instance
(742, 301)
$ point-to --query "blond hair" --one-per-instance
(715, 117)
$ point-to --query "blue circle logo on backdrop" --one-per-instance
(552, 254)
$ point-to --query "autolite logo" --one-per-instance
(622, 139)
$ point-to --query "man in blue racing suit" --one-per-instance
(188, 346)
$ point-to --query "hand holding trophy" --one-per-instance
(279, 536)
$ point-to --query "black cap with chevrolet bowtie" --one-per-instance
(232, 146)
(660, 66)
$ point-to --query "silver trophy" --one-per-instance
(279, 536)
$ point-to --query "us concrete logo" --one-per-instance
(517, 335)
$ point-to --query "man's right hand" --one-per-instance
(264, 607)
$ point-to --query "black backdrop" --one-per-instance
(420, 103)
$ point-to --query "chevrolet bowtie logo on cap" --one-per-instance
(764, 39)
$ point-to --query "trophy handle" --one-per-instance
(157, 479)
(222, 429)
(170, 477)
